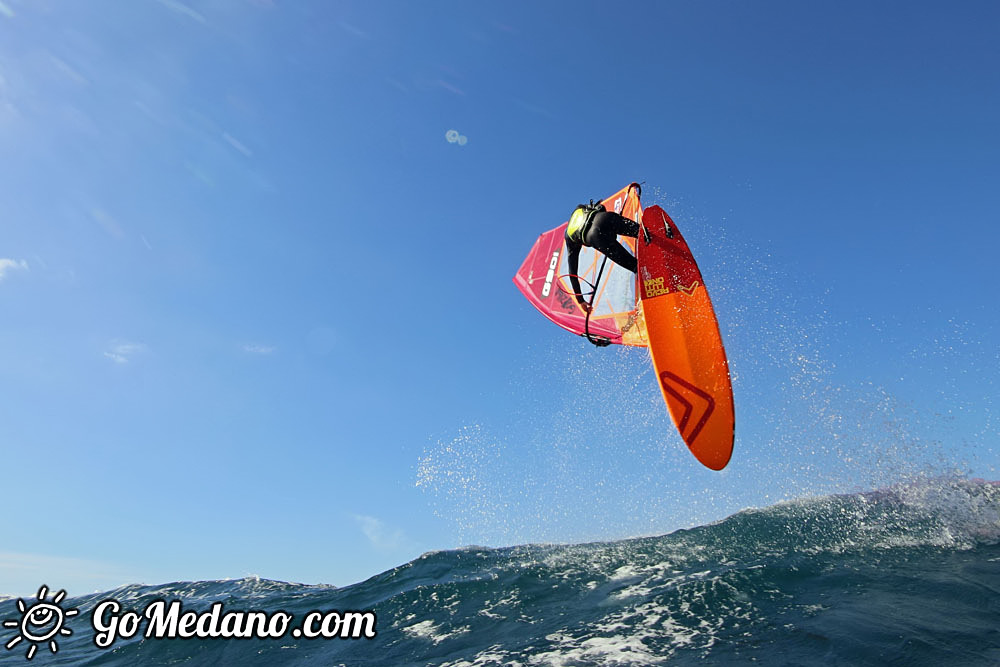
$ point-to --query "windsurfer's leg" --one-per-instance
(609, 222)
(626, 227)
(617, 253)
(603, 236)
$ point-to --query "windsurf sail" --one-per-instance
(544, 279)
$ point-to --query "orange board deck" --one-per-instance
(684, 341)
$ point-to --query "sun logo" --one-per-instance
(40, 622)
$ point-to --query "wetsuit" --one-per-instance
(599, 232)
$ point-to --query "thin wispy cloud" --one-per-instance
(123, 352)
(9, 265)
(533, 108)
(354, 30)
(235, 143)
(107, 223)
(68, 71)
(381, 536)
(183, 9)
(254, 348)
(450, 88)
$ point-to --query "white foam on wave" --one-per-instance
(428, 630)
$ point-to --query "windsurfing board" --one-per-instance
(684, 340)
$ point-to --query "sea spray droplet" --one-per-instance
(454, 137)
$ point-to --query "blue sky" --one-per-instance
(256, 311)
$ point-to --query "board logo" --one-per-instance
(689, 290)
(655, 287)
(550, 276)
(696, 405)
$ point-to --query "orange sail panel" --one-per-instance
(684, 341)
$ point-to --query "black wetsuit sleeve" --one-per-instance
(573, 259)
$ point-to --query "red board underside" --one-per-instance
(684, 341)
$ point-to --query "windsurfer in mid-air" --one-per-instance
(595, 227)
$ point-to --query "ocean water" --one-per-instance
(908, 575)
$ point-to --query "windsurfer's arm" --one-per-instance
(573, 259)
